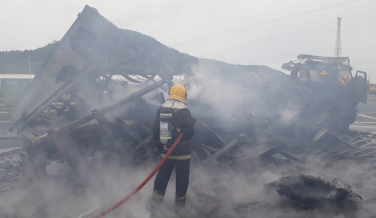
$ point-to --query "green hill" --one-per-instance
(16, 62)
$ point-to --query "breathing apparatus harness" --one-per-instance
(167, 129)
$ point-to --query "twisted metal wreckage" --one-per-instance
(78, 74)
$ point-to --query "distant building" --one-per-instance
(15, 79)
(25, 79)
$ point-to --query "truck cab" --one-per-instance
(331, 80)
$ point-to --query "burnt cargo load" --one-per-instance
(75, 80)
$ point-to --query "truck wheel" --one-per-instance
(343, 127)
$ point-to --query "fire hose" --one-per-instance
(139, 187)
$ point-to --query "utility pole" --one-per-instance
(29, 63)
(29, 66)
(337, 51)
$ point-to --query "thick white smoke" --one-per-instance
(214, 191)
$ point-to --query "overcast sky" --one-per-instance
(30, 24)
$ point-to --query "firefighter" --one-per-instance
(172, 118)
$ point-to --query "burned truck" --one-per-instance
(77, 109)
(331, 80)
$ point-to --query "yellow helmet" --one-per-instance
(178, 92)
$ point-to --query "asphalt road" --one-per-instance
(366, 118)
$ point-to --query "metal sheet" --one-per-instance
(89, 40)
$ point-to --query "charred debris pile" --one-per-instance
(96, 95)
(309, 193)
(99, 89)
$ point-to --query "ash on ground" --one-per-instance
(255, 189)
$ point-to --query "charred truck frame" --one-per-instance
(331, 80)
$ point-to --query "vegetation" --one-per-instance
(17, 62)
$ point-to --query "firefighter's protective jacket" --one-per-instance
(182, 121)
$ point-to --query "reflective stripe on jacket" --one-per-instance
(179, 157)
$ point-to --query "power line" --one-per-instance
(259, 24)
(148, 18)
(167, 12)
(146, 15)
(143, 11)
